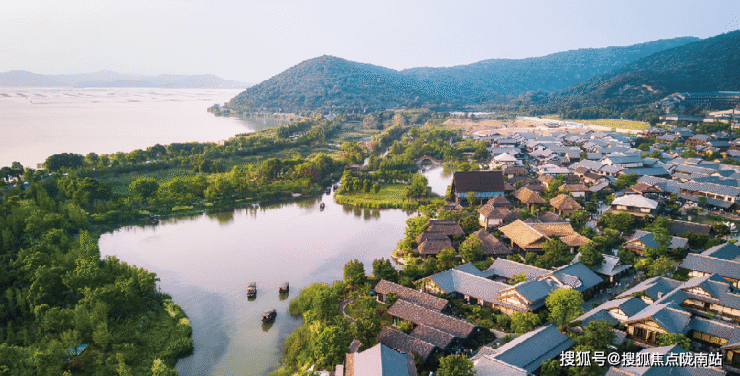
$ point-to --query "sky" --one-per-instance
(253, 40)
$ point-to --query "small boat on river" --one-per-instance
(327, 190)
(269, 315)
(284, 288)
(252, 290)
(322, 206)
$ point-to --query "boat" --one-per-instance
(321, 206)
(252, 290)
(327, 190)
(269, 315)
(335, 186)
(284, 288)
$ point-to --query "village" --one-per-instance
(633, 235)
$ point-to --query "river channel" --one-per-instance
(205, 262)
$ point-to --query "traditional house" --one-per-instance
(646, 190)
(576, 190)
(379, 360)
(530, 237)
(524, 355)
(722, 259)
(383, 288)
(635, 204)
(499, 202)
(529, 197)
(643, 240)
(682, 227)
(462, 332)
(485, 184)
(407, 344)
(611, 269)
(491, 217)
(565, 204)
(448, 227)
(492, 247)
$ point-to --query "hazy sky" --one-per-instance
(254, 40)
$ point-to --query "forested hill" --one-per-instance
(330, 83)
(711, 64)
(547, 73)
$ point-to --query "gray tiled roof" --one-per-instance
(652, 286)
(648, 238)
(670, 316)
(529, 350)
(422, 316)
(405, 343)
(434, 336)
(711, 188)
(587, 277)
(381, 360)
(416, 297)
(510, 269)
(707, 264)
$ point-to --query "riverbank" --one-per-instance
(390, 196)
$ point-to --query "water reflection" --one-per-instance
(266, 326)
(223, 217)
(206, 261)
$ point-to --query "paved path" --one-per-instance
(354, 346)
(343, 304)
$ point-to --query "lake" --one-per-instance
(39, 122)
(205, 262)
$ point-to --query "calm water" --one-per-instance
(38, 122)
(206, 262)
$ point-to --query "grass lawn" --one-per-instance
(119, 182)
(616, 123)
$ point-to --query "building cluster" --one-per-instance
(520, 211)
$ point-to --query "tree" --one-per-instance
(383, 269)
(445, 259)
(455, 365)
(556, 254)
(471, 198)
(444, 215)
(661, 266)
(418, 187)
(521, 277)
(590, 254)
(721, 229)
(471, 248)
(376, 187)
(354, 273)
(143, 188)
(524, 322)
(564, 306)
(470, 224)
(596, 336)
(667, 339)
(56, 162)
(578, 218)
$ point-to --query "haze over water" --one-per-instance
(39, 122)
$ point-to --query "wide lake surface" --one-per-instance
(39, 122)
(205, 263)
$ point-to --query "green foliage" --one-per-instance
(667, 339)
(471, 249)
(57, 162)
(406, 327)
(455, 365)
(418, 187)
(524, 322)
(564, 305)
(354, 273)
(620, 221)
(590, 254)
(521, 277)
(556, 254)
(383, 269)
(596, 336)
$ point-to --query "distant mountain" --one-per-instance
(335, 84)
(712, 64)
(115, 79)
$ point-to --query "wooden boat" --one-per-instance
(327, 190)
(269, 315)
(252, 290)
(284, 288)
(322, 205)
